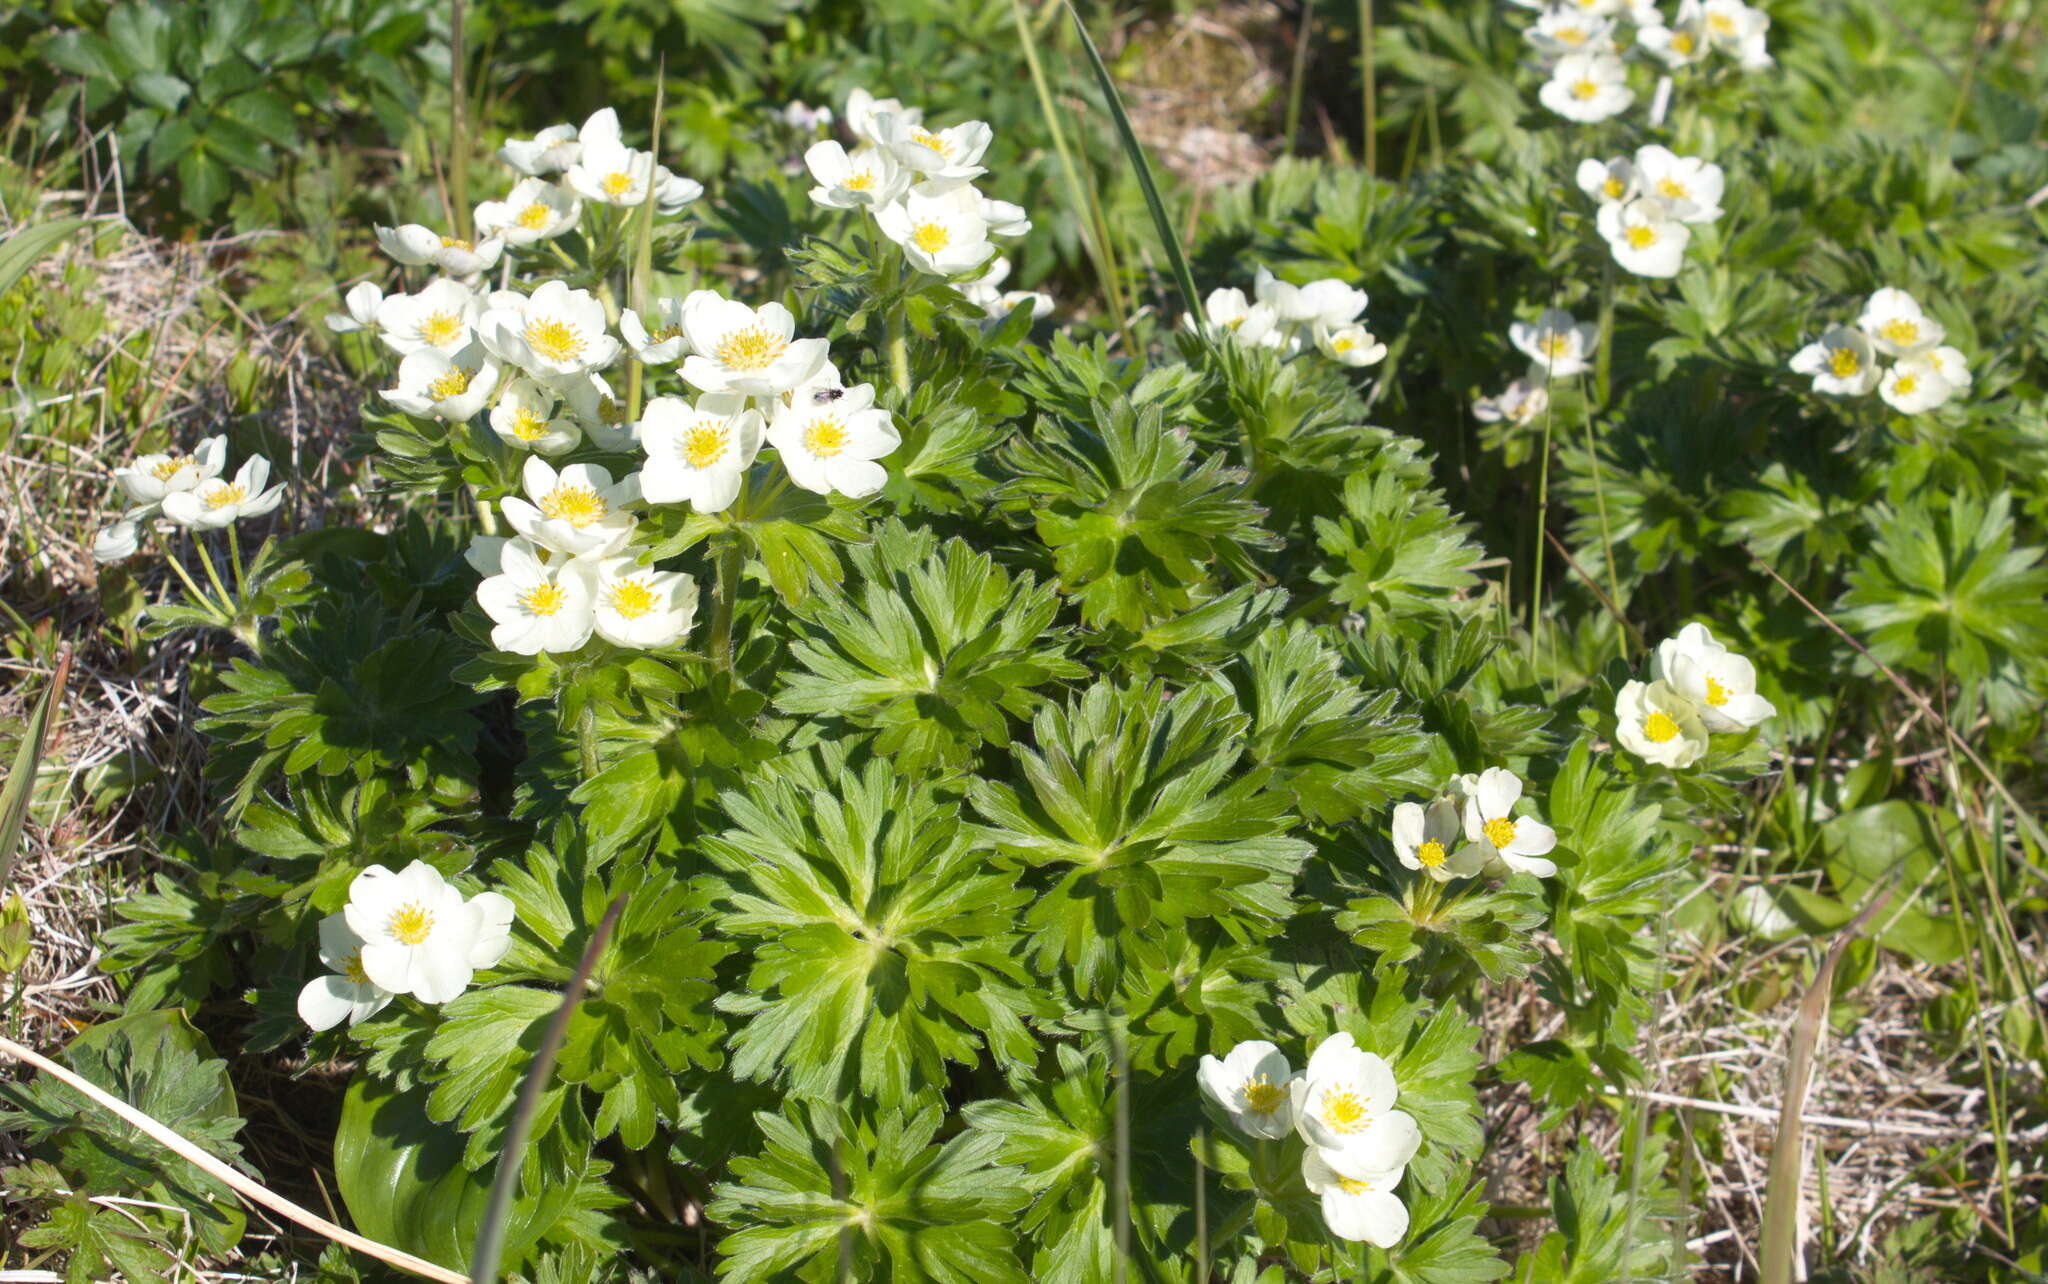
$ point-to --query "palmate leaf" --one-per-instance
(936, 648)
(832, 1197)
(1610, 1230)
(1397, 555)
(1134, 526)
(883, 944)
(1129, 804)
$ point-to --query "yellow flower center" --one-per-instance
(410, 924)
(1641, 238)
(931, 237)
(1555, 345)
(1571, 35)
(1500, 831)
(1342, 343)
(1905, 384)
(1659, 726)
(1717, 695)
(353, 969)
(544, 599)
(753, 348)
(1431, 854)
(1584, 89)
(1682, 42)
(453, 383)
(225, 494)
(528, 424)
(534, 217)
(1843, 362)
(617, 184)
(1263, 1096)
(1613, 188)
(1343, 1112)
(577, 505)
(168, 467)
(859, 181)
(933, 141)
(703, 445)
(1900, 331)
(1722, 24)
(441, 329)
(455, 243)
(1352, 1186)
(825, 438)
(1673, 189)
(554, 340)
(664, 334)
(632, 598)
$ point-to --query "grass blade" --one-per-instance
(18, 253)
(640, 286)
(1781, 1194)
(1136, 152)
(20, 785)
(490, 1239)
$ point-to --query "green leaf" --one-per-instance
(265, 114)
(20, 252)
(202, 183)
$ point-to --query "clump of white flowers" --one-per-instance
(1649, 203)
(1357, 1145)
(411, 932)
(1472, 828)
(1696, 687)
(173, 490)
(1925, 372)
(1290, 318)
(1580, 44)
(1558, 345)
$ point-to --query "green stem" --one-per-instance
(899, 353)
(586, 739)
(1370, 89)
(199, 595)
(228, 601)
(235, 552)
(458, 127)
(730, 561)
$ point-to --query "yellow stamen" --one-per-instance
(1843, 362)
(1500, 831)
(1904, 385)
(452, 383)
(1555, 345)
(825, 438)
(225, 494)
(1722, 24)
(1262, 1096)
(1571, 35)
(610, 412)
(411, 923)
(528, 425)
(1660, 727)
(1343, 1112)
(554, 340)
(544, 599)
(931, 237)
(632, 598)
(577, 505)
(1900, 331)
(1352, 1186)
(168, 468)
(860, 181)
(441, 329)
(617, 184)
(1342, 343)
(1641, 238)
(1613, 188)
(535, 217)
(703, 445)
(1431, 854)
(455, 243)
(1717, 695)
(933, 141)
(1672, 188)
(1682, 42)
(353, 969)
(753, 348)
(1585, 89)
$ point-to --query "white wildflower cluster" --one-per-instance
(534, 363)
(187, 491)
(1649, 204)
(1292, 318)
(1697, 687)
(1342, 1105)
(404, 933)
(1558, 346)
(1471, 828)
(1924, 372)
(1584, 49)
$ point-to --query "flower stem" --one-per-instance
(586, 739)
(227, 600)
(730, 561)
(198, 594)
(235, 552)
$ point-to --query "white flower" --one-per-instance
(698, 453)
(951, 155)
(1608, 181)
(658, 344)
(1519, 402)
(1587, 8)
(1738, 29)
(1587, 87)
(673, 191)
(1328, 302)
(1565, 31)
(1556, 341)
(1689, 187)
(535, 606)
(1914, 385)
(534, 210)
(1659, 725)
(1357, 1208)
(348, 993)
(735, 348)
(1897, 326)
(1842, 362)
(362, 302)
(798, 115)
(939, 234)
(1680, 44)
(550, 151)
(1644, 237)
(605, 170)
(1252, 1084)
(832, 446)
(419, 936)
(417, 246)
(1721, 683)
(215, 503)
(641, 608)
(434, 384)
(870, 176)
(1952, 366)
(1516, 843)
(113, 543)
(1426, 839)
(1003, 218)
(1229, 315)
(577, 511)
(1344, 1106)
(556, 331)
(443, 316)
(597, 412)
(864, 112)
(525, 418)
(1351, 345)
(151, 477)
